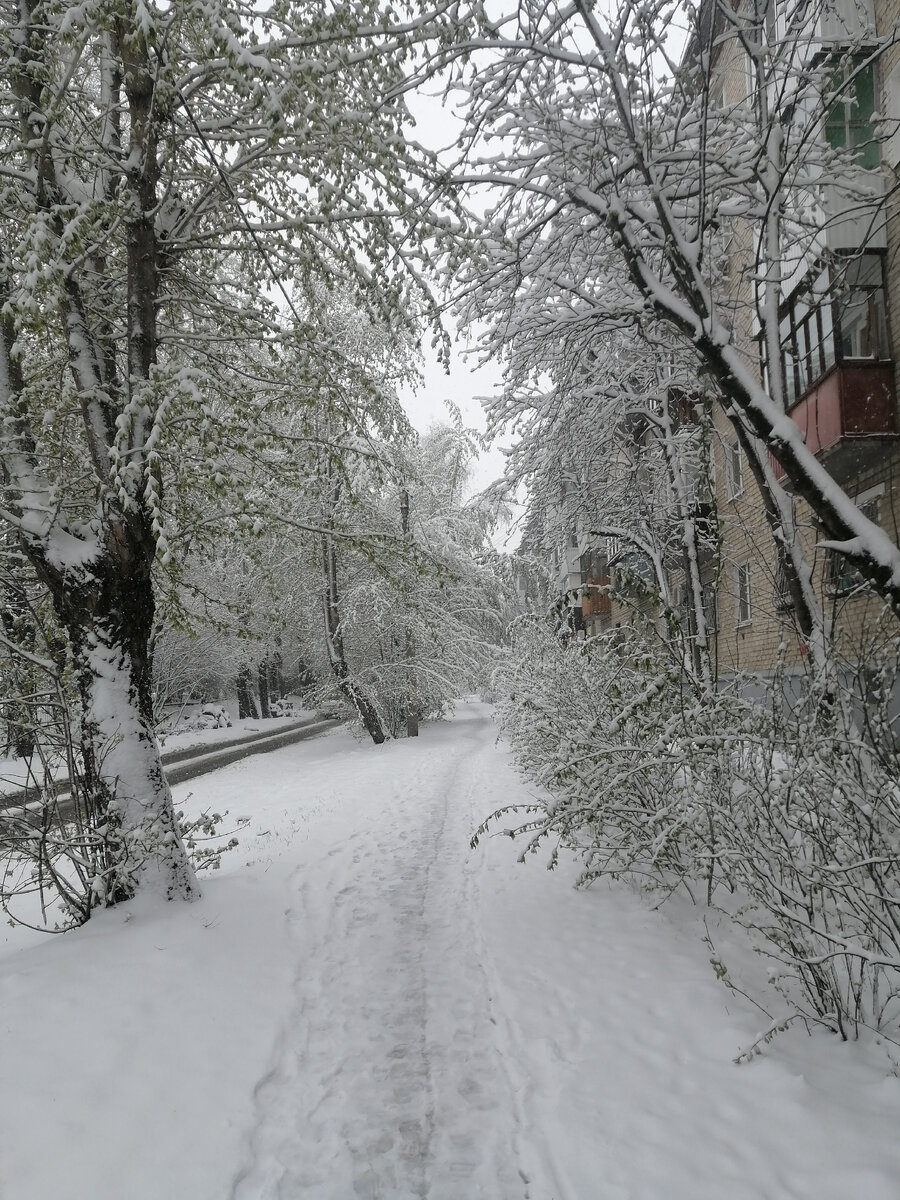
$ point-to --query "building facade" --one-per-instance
(839, 329)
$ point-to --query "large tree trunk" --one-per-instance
(246, 699)
(107, 609)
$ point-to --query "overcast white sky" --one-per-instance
(436, 127)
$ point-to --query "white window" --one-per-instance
(891, 148)
(749, 78)
(734, 469)
(742, 608)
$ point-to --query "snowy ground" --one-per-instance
(361, 1006)
(184, 734)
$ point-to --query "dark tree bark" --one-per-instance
(262, 678)
(246, 699)
(98, 572)
(368, 714)
(276, 673)
(412, 717)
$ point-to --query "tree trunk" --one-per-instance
(334, 639)
(262, 678)
(701, 660)
(246, 699)
(107, 609)
(412, 717)
(276, 674)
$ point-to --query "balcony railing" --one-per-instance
(853, 400)
(594, 602)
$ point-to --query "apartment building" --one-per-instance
(839, 358)
(840, 345)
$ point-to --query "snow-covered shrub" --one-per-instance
(607, 728)
(215, 716)
(814, 848)
(787, 808)
(205, 828)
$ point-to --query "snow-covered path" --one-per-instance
(362, 1006)
(387, 1062)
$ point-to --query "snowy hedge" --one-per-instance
(787, 815)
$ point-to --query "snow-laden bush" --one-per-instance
(787, 809)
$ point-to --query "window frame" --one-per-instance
(743, 595)
(849, 120)
(813, 321)
(734, 480)
(710, 594)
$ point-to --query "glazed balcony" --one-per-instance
(846, 414)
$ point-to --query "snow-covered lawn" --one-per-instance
(362, 1006)
(14, 772)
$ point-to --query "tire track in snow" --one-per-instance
(385, 1068)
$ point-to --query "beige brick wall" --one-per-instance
(887, 18)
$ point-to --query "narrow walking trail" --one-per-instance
(363, 1006)
(395, 1018)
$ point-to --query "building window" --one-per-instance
(861, 321)
(783, 600)
(711, 609)
(743, 611)
(615, 550)
(841, 577)
(849, 123)
(734, 469)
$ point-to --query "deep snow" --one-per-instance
(362, 1006)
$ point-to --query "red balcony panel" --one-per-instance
(852, 400)
(595, 603)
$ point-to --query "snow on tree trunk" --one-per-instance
(107, 608)
(143, 844)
